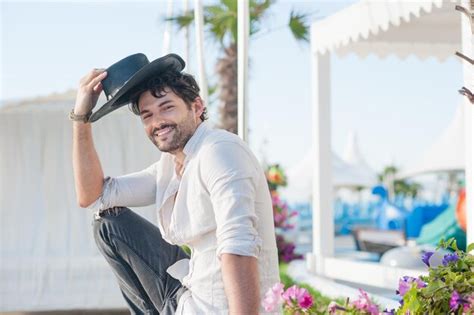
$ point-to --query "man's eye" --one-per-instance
(146, 117)
(168, 107)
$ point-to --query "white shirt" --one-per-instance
(221, 204)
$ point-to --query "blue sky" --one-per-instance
(396, 107)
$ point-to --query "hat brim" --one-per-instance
(122, 98)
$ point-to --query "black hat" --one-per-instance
(125, 75)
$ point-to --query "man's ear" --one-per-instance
(198, 105)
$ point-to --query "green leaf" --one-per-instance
(462, 266)
(470, 248)
(432, 287)
(410, 302)
(454, 244)
(441, 244)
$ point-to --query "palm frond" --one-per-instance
(299, 26)
(222, 21)
(231, 5)
(183, 20)
(257, 9)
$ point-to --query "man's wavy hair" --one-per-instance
(182, 84)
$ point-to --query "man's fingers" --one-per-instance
(96, 80)
(91, 75)
(98, 88)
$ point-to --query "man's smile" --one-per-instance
(165, 131)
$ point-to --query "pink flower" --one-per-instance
(273, 297)
(293, 293)
(294, 297)
(332, 307)
(470, 303)
(365, 304)
(299, 295)
(306, 301)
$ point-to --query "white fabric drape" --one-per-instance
(48, 256)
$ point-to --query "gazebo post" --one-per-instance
(468, 74)
(323, 224)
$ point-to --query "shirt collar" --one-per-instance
(193, 142)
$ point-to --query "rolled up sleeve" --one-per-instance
(230, 175)
(133, 190)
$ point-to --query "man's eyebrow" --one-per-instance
(159, 105)
(164, 103)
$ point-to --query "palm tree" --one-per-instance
(220, 21)
(398, 186)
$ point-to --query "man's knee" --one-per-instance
(105, 223)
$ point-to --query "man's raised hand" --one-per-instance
(89, 91)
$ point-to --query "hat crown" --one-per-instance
(127, 74)
(120, 72)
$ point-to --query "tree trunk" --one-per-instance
(227, 86)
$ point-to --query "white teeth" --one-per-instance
(164, 131)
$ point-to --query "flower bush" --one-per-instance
(286, 250)
(281, 214)
(294, 300)
(447, 289)
(363, 305)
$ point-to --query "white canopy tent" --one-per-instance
(49, 260)
(423, 28)
(350, 172)
(354, 158)
(447, 153)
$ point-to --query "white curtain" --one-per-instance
(48, 256)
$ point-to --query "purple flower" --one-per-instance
(388, 312)
(404, 284)
(454, 301)
(420, 283)
(458, 301)
(448, 258)
(426, 257)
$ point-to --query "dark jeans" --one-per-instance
(139, 257)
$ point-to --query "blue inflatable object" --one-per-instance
(420, 216)
(388, 216)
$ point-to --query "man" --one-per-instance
(210, 194)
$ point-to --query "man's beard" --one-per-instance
(181, 135)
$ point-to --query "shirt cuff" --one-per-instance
(249, 246)
(103, 202)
